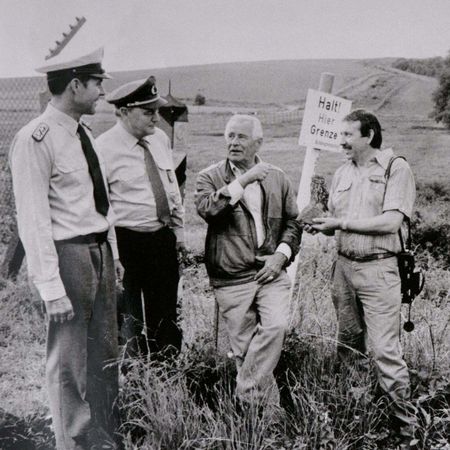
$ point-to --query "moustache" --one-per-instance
(346, 147)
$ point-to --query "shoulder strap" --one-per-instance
(387, 174)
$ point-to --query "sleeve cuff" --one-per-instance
(179, 234)
(236, 191)
(285, 249)
(51, 290)
(113, 243)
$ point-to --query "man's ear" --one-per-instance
(259, 142)
(74, 84)
(370, 137)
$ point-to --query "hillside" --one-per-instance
(265, 82)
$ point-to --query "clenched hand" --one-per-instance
(273, 265)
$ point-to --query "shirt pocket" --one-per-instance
(72, 173)
(130, 181)
(341, 197)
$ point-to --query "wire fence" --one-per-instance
(19, 103)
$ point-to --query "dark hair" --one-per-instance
(57, 85)
(368, 122)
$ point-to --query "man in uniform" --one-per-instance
(252, 236)
(368, 212)
(63, 216)
(146, 200)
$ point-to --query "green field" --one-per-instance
(323, 410)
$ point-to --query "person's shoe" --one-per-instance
(99, 439)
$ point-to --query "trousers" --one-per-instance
(256, 318)
(367, 300)
(81, 369)
(151, 270)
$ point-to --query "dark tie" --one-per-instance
(162, 205)
(100, 197)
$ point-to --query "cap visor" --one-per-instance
(104, 76)
(153, 104)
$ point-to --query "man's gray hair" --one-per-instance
(257, 132)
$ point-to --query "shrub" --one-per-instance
(200, 99)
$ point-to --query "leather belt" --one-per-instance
(373, 257)
(93, 238)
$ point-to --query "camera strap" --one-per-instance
(387, 174)
(408, 326)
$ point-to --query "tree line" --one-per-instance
(438, 67)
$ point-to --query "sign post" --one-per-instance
(320, 131)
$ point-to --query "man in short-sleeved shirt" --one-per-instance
(368, 212)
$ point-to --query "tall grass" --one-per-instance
(189, 403)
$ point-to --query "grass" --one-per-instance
(189, 403)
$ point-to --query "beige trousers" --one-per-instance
(256, 317)
(367, 299)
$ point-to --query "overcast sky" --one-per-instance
(146, 34)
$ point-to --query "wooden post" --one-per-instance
(309, 166)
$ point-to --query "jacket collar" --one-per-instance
(232, 171)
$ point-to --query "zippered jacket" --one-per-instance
(231, 244)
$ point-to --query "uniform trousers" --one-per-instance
(151, 269)
(256, 317)
(81, 370)
(367, 300)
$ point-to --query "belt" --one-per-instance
(373, 257)
(93, 238)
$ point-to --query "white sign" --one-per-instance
(322, 120)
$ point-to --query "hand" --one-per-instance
(119, 270)
(310, 229)
(273, 264)
(60, 310)
(257, 173)
(327, 225)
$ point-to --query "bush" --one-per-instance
(431, 67)
(199, 99)
(430, 227)
(441, 96)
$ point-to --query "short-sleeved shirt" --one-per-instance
(361, 192)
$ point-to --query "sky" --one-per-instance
(147, 34)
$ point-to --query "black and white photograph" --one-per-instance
(224, 225)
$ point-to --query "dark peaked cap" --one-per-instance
(137, 93)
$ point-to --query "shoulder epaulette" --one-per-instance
(40, 132)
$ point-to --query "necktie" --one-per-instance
(162, 205)
(100, 197)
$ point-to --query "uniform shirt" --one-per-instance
(130, 190)
(253, 198)
(54, 194)
(357, 193)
